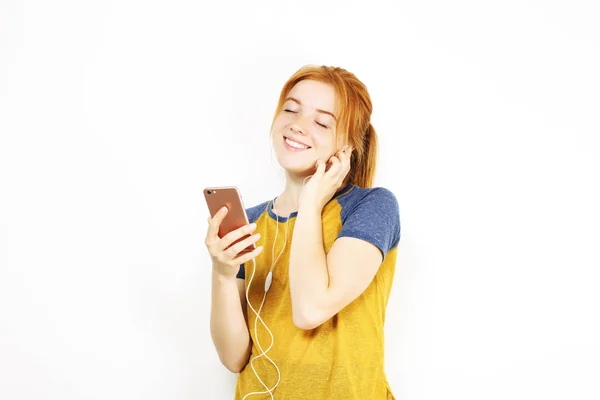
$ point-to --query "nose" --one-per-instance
(297, 129)
(300, 122)
(299, 125)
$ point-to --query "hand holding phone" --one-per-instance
(228, 238)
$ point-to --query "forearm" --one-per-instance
(227, 323)
(309, 278)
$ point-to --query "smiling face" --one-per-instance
(308, 116)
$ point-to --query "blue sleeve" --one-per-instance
(252, 214)
(374, 218)
(241, 273)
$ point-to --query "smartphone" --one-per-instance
(230, 197)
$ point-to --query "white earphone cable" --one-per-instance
(268, 282)
(259, 318)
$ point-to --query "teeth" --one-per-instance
(295, 144)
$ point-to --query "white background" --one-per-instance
(114, 115)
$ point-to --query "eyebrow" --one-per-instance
(319, 110)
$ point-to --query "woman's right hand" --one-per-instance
(223, 259)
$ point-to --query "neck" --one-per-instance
(288, 199)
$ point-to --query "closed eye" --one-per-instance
(296, 112)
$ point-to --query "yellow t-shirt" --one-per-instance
(344, 357)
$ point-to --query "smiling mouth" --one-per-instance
(296, 148)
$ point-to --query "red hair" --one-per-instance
(353, 122)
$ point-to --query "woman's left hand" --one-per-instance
(322, 185)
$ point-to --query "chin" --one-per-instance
(289, 159)
(296, 166)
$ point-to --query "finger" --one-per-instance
(347, 152)
(343, 164)
(235, 235)
(248, 256)
(215, 222)
(326, 165)
(335, 165)
(241, 245)
(320, 167)
(341, 173)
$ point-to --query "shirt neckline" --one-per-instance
(279, 218)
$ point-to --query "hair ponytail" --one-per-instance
(364, 159)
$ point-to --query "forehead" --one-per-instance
(314, 94)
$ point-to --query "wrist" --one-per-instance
(224, 274)
(310, 209)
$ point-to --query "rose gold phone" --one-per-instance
(230, 197)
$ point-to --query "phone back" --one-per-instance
(230, 197)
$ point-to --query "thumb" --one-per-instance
(320, 167)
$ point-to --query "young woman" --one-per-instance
(321, 289)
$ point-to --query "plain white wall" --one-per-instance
(114, 115)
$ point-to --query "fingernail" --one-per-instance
(224, 210)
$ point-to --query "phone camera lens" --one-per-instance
(209, 192)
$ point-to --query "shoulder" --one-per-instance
(255, 212)
(372, 214)
(370, 201)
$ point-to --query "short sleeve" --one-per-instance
(241, 273)
(374, 218)
(253, 213)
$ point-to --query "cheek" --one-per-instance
(325, 151)
(282, 120)
(276, 130)
(326, 144)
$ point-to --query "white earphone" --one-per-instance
(268, 282)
